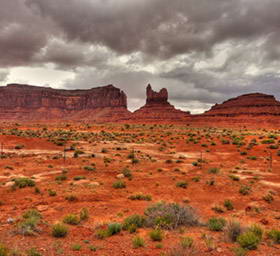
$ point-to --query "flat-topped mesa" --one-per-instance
(252, 110)
(153, 97)
(19, 101)
(158, 109)
(253, 104)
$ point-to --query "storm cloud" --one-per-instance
(202, 51)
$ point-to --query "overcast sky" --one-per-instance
(202, 51)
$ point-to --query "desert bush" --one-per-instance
(61, 177)
(24, 182)
(140, 197)
(170, 216)
(248, 240)
(213, 170)
(114, 228)
(127, 173)
(59, 230)
(89, 168)
(28, 226)
(51, 192)
(33, 252)
(71, 219)
(257, 230)
(274, 235)
(71, 198)
(32, 213)
(186, 242)
(232, 230)
(245, 190)
(268, 198)
(216, 224)
(119, 184)
(133, 222)
(156, 235)
(178, 250)
(138, 242)
(76, 247)
(4, 251)
(84, 214)
(239, 251)
(228, 204)
(182, 184)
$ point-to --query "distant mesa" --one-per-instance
(109, 104)
(254, 109)
(26, 102)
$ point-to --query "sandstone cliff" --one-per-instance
(254, 109)
(158, 109)
(38, 103)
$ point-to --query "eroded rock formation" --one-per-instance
(255, 109)
(158, 109)
(36, 103)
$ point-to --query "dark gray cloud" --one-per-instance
(202, 51)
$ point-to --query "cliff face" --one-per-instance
(254, 109)
(158, 109)
(32, 102)
(254, 104)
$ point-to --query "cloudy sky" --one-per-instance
(202, 51)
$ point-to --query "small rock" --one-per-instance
(10, 220)
(42, 208)
(186, 200)
(120, 176)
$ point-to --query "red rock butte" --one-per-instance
(27, 102)
(109, 104)
(157, 108)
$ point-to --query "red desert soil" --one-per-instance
(158, 157)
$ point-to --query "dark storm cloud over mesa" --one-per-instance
(202, 51)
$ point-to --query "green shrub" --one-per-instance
(114, 228)
(248, 240)
(59, 230)
(4, 251)
(182, 184)
(32, 213)
(61, 177)
(170, 216)
(71, 219)
(89, 168)
(76, 247)
(186, 242)
(140, 197)
(119, 184)
(84, 214)
(133, 222)
(156, 235)
(274, 235)
(33, 252)
(245, 190)
(216, 224)
(239, 251)
(28, 226)
(214, 170)
(257, 230)
(138, 242)
(24, 182)
(102, 233)
(51, 192)
(127, 173)
(228, 204)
